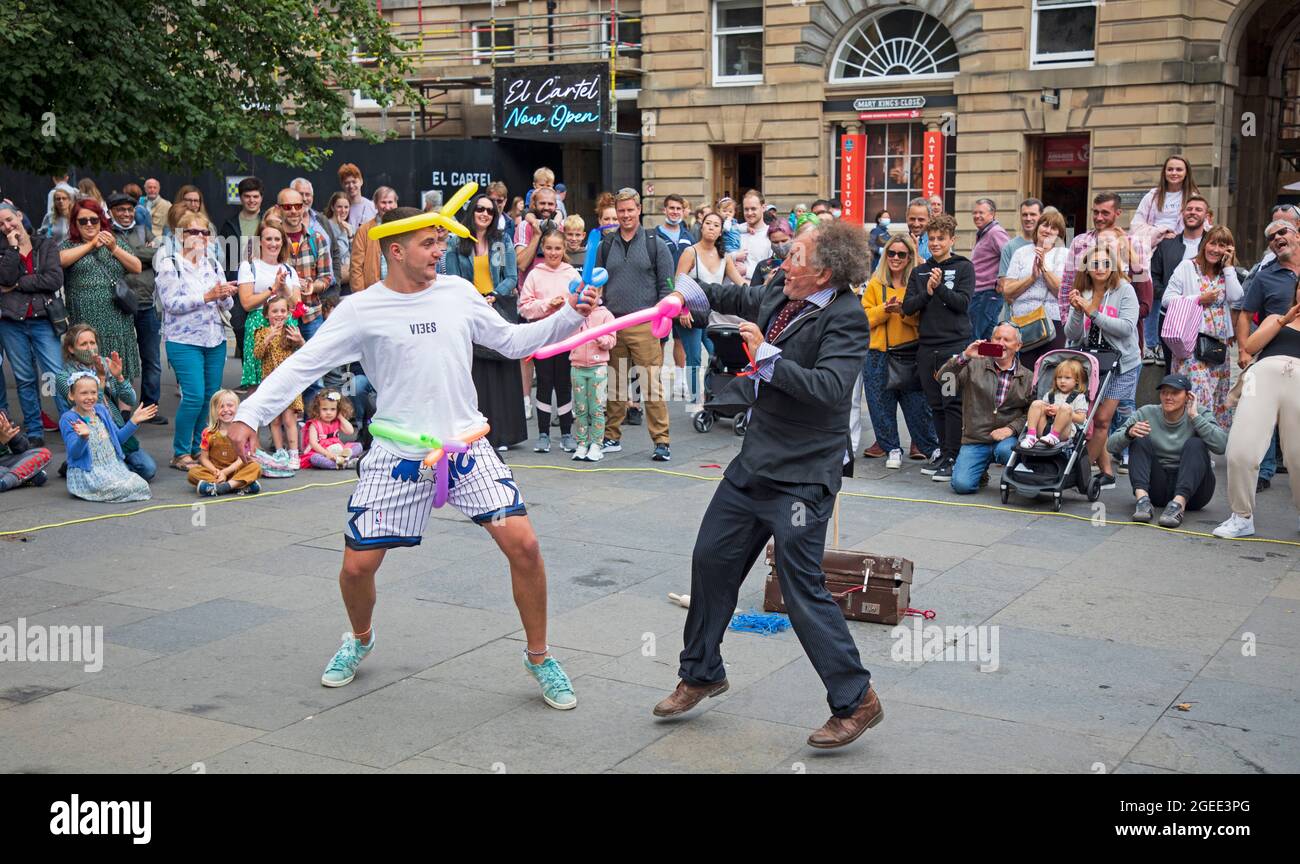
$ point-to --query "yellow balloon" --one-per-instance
(458, 200)
(415, 223)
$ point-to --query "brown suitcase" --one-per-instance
(867, 587)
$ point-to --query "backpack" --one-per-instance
(602, 253)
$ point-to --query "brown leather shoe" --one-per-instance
(916, 454)
(839, 731)
(687, 696)
(874, 452)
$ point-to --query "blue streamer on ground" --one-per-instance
(762, 623)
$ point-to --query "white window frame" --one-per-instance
(482, 56)
(845, 45)
(719, 79)
(1066, 60)
(357, 100)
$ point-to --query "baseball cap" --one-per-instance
(559, 187)
(1178, 382)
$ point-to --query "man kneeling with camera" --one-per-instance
(996, 390)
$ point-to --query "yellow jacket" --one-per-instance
(901, 329)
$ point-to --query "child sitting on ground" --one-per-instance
(96, 465)
(272, 345)
(330, 414)
(221, 470)
(1065, 407)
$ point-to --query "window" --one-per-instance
(738, 42)
(361, 58)
(900, 44)
(1064, 31)
(484, 53)
(895, 154)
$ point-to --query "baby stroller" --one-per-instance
(728, 360)
(1050, 470)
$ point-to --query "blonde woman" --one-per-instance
(194, 292)
(891, 331)
(1033, 280)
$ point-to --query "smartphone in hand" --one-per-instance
(990, 349)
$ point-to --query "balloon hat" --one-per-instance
(444, 218)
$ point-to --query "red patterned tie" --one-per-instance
(784, 317)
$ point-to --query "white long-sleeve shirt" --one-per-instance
(1186, 282)
(416, 350)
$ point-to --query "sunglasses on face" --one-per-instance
(897, 253)
(1281, 232)
(197, 232)
(481, 209)
(291, 207)
(87, 222)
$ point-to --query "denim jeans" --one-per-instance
(141, 463)
(692, 340)
(973, 461)
(309, 330)
(198, 372)
(1268, 465)
(883, 405)
(983, 311)
(33, 348)
(148, 331)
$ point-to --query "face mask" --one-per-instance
(84, 356)
(884, 222)
(836, 212)
(781, 250)
(671, 221)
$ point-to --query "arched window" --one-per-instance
(903, 43)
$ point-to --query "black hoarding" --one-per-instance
(557, 102)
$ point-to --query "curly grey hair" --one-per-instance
(842, 248)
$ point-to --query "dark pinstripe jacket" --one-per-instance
(799, 429)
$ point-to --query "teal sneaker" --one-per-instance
(556, 688)
(343, 667)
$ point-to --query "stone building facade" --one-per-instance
(1054, 98)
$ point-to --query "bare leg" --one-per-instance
(518, 541)
(277, 436)
(1064, 419)
(357, 584)
(1100, 430)
(1035, 416)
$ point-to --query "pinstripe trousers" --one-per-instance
(735, 530)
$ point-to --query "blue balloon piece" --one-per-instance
(599, 276)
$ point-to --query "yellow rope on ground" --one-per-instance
(666, 473)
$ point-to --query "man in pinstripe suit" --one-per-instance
(807, 336)
(414, 331)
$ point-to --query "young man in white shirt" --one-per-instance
(413, 332)
(754, 245)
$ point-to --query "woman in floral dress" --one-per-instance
(1212, 278)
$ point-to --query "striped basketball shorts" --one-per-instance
(394, 497)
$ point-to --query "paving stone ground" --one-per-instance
(216, 631)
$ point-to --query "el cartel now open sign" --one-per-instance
(554, 102)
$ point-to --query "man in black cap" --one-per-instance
(137, 239)
(1169, 447)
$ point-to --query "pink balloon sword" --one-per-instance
(660, 316)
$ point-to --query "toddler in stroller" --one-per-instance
(1066, 384)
